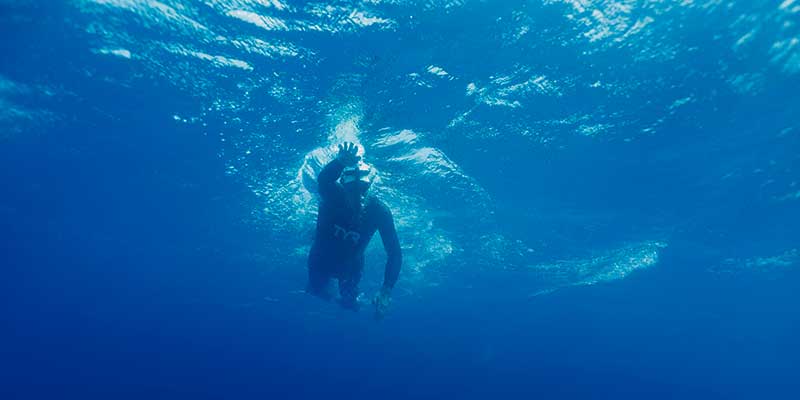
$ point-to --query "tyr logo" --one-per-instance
(344, 234)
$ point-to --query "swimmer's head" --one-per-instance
(357, 178)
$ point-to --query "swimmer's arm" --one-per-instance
(328, 177)
(392, 246)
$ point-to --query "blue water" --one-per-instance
(595, 198)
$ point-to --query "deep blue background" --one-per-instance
(125, 242)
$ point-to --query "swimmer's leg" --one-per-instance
(348, 290)
(319, 282)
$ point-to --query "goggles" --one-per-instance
(358, 173)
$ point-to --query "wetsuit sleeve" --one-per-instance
(327, 178)
(392, 246)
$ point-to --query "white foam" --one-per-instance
(9, 86)
(405, 136)
(361, 18)
(610, 265)
(504, 93)
(787, 53)
(746, 38)
(152, 9)
(268, 49)
(123, 53)
(794, 195)
(15, 118)
(262, 21)
(593, 130)
(680, 102)
(346, 130)
(438, 71)
(763, 264)
(219, 61)
(750, 83)
(612, 20)
(341, 18)
(434, 160)
(471, 89)
(11, 112)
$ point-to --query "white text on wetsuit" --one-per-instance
(343, 234)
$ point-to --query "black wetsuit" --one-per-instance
(343, 231)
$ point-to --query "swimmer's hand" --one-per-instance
(382, 301)
(348, 154)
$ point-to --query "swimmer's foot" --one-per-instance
(351, 303)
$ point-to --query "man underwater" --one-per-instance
(348, 218)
